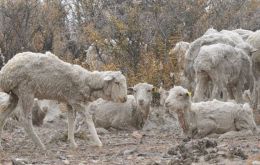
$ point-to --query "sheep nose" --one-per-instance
(141, 101)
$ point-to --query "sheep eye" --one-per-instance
(180, 94)
(117, 83)
(148, 90)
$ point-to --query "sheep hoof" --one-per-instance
(73, 145)
(97, 144)
(100, 145)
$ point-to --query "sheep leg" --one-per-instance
(71, 126)
(6, 113)
(215, 92)
(27, 105)
(254, 95)
(200, 89)
(90, 123)
(238, 95)
(224, 91)
(205, 127)
(258, 97)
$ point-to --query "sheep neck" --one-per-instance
(184, 119)
(140, 117)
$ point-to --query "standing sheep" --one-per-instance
(212, 117)
(207, 39)
(44, 76)
(128, 115)
(180, 50)
(254, 40)
(227, 67)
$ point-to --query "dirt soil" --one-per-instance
(159, 143)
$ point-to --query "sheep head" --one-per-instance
(143, 96)
(115, 88)
(178, 99)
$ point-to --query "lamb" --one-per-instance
(44, 76)
(124, 116)
(210, 118)
(227, 67)
(254, 40)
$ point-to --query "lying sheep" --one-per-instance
(227, 67)
(212, 117)
(38, 113)
(44, 76)
(129, 115)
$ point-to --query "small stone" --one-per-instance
(137, 135)
(255, 162)
(19, 161)
(66, 162)
(130, 151)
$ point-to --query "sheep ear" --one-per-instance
(108, 78)
(130, 90)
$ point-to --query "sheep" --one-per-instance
(227, 67)
(243, 33)
(179, 51)
(210, 118)
(163, 95)
(95, 58)
(53, 107)
(254, 40)
(124, 116)
(223, 37)
(31, 75)
(38, 113)
(210, 31)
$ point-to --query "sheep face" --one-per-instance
(178, 99)
(116, 89)
(143, 96)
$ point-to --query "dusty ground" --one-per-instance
(159, 143)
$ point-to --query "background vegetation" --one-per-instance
(144, 30)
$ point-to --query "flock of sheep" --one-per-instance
(218, 67)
